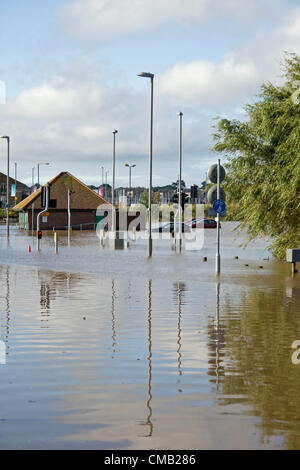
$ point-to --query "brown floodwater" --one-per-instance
(109, 350)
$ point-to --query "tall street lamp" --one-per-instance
(129, 166)
(16, 197)
(113, 182)
(180, 178)
(151, 76)
(102, 168)
(7, 186)
(38, 169)
(105, 190)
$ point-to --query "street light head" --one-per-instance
(115, 131)
(126, 164)
(179, 114)
(146, 75)
(4, 137)
(133, 166)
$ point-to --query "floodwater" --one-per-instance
(110, 350)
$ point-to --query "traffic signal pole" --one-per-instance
(179, 185)
(41, 213)
(218, 256)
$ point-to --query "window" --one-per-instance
(52, 203)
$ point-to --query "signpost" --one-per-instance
(219, 206)
(216, 196)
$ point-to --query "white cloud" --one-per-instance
(106, 19)
(68, 118)
(214, 86)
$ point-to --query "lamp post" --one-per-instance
(151, 76)
(113, 183)
(105, 190)
(102, 168)
(32, 177)
(16, 197)
(129, 166)
(180, 178)
(38, 169)
(7, 186)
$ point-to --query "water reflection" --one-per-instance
(258, 344)
(148, 421)
(216, 344)
(113, 321)
(180, 287)
(45, 302)
(241, 373)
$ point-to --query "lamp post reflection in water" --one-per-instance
(113, 293)
(180, 288)
(217, 327)
(7, 298)
(148, 421)
(216, 344)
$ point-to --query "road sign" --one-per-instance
(46, 214)
(7, 206)
(213, 173)
(212, 194)
(219, 206)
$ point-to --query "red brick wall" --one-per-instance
(59, 219)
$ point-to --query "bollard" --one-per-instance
(56, 242)
(293, 256)
(133, 234)
(102, 238)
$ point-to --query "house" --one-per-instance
(84, 204)
(22, 191)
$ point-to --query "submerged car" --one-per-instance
(202, 223)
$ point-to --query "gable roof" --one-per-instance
(23, 205)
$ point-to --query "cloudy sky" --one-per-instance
(70, 71)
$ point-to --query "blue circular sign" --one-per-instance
(219, 206)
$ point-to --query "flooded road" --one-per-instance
(109, 350)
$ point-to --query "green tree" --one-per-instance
(144, 199)
(263, 173)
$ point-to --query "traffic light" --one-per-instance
(194, 193)
(39, 234)
(174, 199)
(184, 199)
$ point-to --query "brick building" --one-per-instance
(84, 203)
(22, 191)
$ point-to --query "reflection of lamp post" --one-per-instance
(129, 166)
(7, 186)
(38, 168)
(149, 422)
(151, 76)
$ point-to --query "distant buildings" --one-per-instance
(20, 193)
